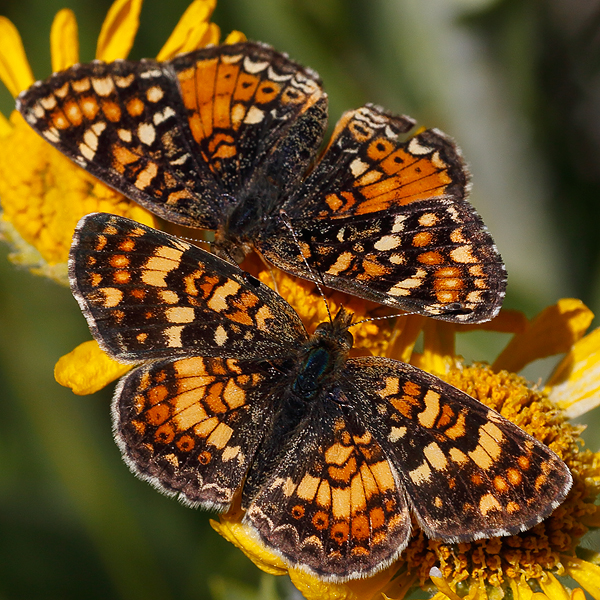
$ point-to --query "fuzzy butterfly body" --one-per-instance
(328, 454)
(227, 139)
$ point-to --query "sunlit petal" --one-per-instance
(87, 369)
(585, 574)
(575, 383)
(64, 41)
(119, 30)
(553, 331)
(15, 71)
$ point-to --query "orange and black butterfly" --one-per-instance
(231, 398)
(226, 139)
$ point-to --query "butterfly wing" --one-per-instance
(191, 426)
(388, 221)
(329, 501)
(469, 472)
(186, 138)
(148, 295)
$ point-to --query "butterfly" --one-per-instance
(226, 139)
(328, 455)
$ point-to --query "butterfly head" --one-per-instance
(336, 331)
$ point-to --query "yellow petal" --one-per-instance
(520, 590)
(443, 586)
(357, 589)
(235, 37)
(5, 126)
(87, 369)
(406, 332)
(64, 42)
(575, 383)
(553, 588)
(190, 31)
(15, 71)
(578, 594)
(118, 30)
(242, 537)
(553, 331)
(585, 574)
(399, 586)
(507, 321)
(438, 345)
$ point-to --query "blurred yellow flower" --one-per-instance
(42, 193)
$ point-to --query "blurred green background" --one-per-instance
(515, 82)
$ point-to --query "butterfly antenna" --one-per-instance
(404, 314)
(288, 224)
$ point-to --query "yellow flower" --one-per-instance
(42, 193)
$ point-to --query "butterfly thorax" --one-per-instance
(323, 356)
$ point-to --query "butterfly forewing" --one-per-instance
(469, 472)
(148, 295)
(191, 427)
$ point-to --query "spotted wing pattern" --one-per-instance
(188, 137)
(147, 296)
(225, 138)
(327, 454)
(469, 472)
(191, 426)
(333, 502)
(387, 220)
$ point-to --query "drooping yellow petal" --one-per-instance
(87, 369)
(15, 71)
(235, 37)
(357, 589)
(438, 346)
(64, 41)
(241, 536)
(575, 383)
(578, 594)
(584, 573)
(189, 33)
(553, 588)
(553, 331)
(399, 586)
(507, 321)
(118, 30)
(442, 585)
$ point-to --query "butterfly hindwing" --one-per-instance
(469, 472)
(149, 295)
(330, 502)
(191, 426)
